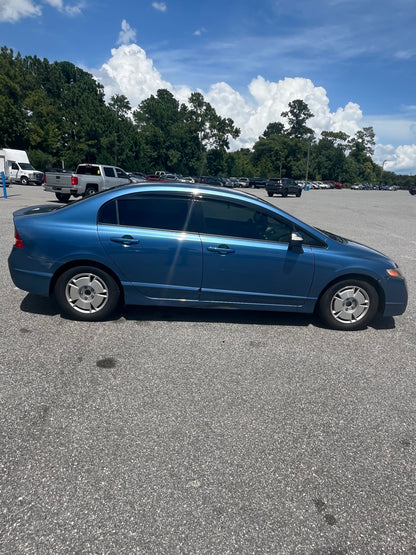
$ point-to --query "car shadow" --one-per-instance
(46, 306)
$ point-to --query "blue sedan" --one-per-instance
(171, 244)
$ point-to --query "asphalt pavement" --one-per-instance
(213, 432)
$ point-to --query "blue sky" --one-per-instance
(352, 61)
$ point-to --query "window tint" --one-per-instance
(235, 220)
(121, 173)
(108, 213)
(88, 170)
(155, 212)
(109, 172)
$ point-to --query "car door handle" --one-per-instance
(125, 240)
(221, 249)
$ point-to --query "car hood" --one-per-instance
(363, 251)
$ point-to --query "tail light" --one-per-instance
(74, 180)
(18, 243)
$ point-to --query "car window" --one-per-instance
(109, 172)
(121, 173)
(235, 220)
(88, 170)
(309, 240)
(152, 211)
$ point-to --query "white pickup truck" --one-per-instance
(88, 179)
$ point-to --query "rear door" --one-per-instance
(148, 237)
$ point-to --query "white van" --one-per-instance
(17, 168)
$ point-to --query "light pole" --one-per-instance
(307, 161)
(382, 169)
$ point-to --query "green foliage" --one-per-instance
(57, 112)
(297, 116)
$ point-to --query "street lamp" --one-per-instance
(307, 161)
(382, 169)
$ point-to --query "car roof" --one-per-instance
(179, 187)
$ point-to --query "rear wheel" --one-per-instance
(349, 304)
(89, 191)
(87, 293)
(62, 197)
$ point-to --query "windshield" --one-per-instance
(333, 236)
(25, 166)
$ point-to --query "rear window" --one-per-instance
(88, 170)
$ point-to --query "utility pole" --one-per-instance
(307, 161)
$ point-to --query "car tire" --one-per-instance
(284, 193)
(62, 197)
(86, 293)
(349, 304)
(298, 193)
(90, 191)
(270, 194)
(24, 180)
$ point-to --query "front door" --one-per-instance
(247, 259)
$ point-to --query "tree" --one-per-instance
(297, 116)
(211, 130)
(274, 128)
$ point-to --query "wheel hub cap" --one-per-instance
(350, 304)
(87, 293)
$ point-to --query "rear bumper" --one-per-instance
(28, 279)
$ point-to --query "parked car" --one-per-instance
(412, 190)
(257, 182)
(211, 180)
(333, 184)
(283, 186)
(244, 181)
(182, 245)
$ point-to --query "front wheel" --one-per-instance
(87, 293)
(349, 304)
(285, 193)
(24, 180)
(270, 194)
(298, 193)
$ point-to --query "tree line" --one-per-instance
(58, 114)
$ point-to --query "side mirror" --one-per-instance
(296, 242)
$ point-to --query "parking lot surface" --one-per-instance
(190, 431)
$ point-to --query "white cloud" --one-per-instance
(269, 99)
(401, 159)
(127, 34)
(130, 72)
(12, 12)
(159, 6)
